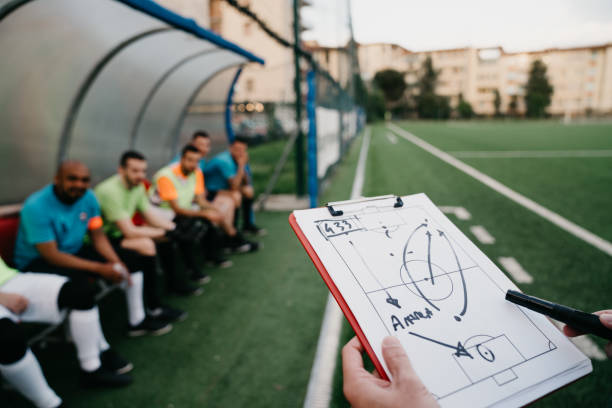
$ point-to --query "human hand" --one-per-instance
(242, 159)
(14, 302)
(605, 317)
(113, 273)
(364, 389)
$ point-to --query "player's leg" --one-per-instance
(248, 215)
(49, 296)
(19, 366)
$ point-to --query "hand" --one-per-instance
(605, 316)
(364, 389)
(242, 159)
(14, 302)
(212, 215)
(110, 272)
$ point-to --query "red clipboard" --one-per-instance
(337, 295)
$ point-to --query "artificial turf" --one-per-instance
(565, 268)
(250, 338)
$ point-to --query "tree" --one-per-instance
(497, 102)
(375, 107)
(428, 104)
(513, 106)
(464, 108)
(538, 91)
(391, 83)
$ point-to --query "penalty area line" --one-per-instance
(318, 394)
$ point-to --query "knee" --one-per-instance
(248, 192)
(12, 342)
(76, 294)
(147, 247)
(237, 197)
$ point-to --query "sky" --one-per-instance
(517, 25)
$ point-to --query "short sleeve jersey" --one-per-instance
(44, 218)
(219, 170)
(118, 202)
(171, 184)
(6, 272)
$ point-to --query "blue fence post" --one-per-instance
(313, 179)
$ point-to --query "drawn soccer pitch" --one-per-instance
(427, 288)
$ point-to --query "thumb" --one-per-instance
(396, 358)
(606, 319)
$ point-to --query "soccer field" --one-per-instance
(567, 169)
(251, 338)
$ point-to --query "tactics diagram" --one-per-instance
(423, 285)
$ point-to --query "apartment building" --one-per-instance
(581, 76)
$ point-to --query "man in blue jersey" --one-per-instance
(228, 174)
(53, 224)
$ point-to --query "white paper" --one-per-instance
(409, 272)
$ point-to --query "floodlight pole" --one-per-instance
(299, 144)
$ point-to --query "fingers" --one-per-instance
(605, 316)
(352, 363)
(571, 332)
(396, 358)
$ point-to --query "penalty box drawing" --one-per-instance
(421, 283)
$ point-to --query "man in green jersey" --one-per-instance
(120, 197)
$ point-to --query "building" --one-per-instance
(581, 77)
(378, 56)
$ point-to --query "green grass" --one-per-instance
(251, 337)
(249, 340)
(565, 268)
(263, 160)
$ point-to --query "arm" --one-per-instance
(236, 181)
(102, 245)
(203, 202)
(158, 222)
(129, 230)
(51, 254)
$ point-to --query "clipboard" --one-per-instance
(337, 295)
(375, 240)
(333, 289)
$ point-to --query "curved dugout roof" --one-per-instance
(89, 79)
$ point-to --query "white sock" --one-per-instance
(102, 343)
(27, 377)
(85, 334)
(133, 295)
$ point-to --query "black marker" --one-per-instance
(585, 322)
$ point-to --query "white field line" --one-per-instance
(515, 270)
(318, 394)
(585, 344)
(459, 212)
(482, 234)
(532, 154)
(392, 138)
(558, 220)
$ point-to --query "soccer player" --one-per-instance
(228, 174)
(45, 298)
(53, 225)
(120, 196)
(226, 204)
(178, 185)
